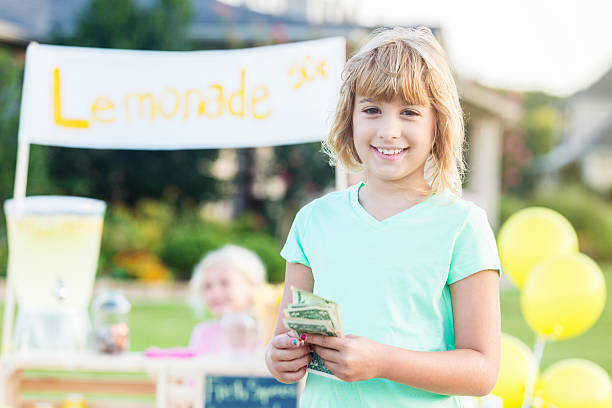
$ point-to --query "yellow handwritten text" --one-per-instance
(57, 106)
(306, 70)
(211, 102)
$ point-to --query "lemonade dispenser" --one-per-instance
(54, 244)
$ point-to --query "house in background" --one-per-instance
(214, 22)
(489, 115)
(586, 139)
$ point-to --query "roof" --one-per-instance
(34, 20)
(570, 151)
(22, 21)
(602, 86)
(567, 152)
(509, 108)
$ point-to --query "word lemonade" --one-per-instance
(213, 101)
(312, 314)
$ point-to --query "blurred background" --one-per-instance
(535, 78)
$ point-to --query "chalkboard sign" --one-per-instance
(249, 392)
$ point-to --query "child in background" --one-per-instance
(225, 281)
(413, 267)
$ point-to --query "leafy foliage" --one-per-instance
(590, 216)
(154, 241)
(11, 76)
(128, 176)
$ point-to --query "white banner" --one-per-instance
(126, 99)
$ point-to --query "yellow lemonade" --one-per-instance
(54, 243)
(54, 259)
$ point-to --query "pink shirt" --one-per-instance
(207, 337)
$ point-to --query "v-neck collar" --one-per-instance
(370, 219)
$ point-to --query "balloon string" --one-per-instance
(538, 351)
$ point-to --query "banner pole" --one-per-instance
(532, 376)
(21, 179)
(341, 178)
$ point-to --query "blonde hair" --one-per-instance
(232, 257)
(411, 63)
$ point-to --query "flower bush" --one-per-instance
(142, 265)
(155, 242)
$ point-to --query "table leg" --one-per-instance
(161, 391)
(12, 388)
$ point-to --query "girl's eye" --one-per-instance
(376, 110)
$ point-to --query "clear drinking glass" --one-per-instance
(240, 333)
(110, 311)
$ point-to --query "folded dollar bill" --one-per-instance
(309, 313)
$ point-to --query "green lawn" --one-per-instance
(593, 345)
(169, 324)
(166, 324)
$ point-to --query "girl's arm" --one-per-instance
(297, 275)
(285, 360)
(470, 369)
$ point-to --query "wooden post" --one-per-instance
(341, 178)
(161, 388)
(21, 179)
(12, 390)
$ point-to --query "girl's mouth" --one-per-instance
(395, 156)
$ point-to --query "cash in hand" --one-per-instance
(309, 313)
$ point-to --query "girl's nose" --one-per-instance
(390, 128)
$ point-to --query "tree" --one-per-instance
(307, 175)
(11, 77)
(131, 175)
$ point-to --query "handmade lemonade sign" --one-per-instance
(105, 98)
(249, 392)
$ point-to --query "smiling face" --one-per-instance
(225, 289)
(404, 133)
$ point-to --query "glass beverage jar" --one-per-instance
(110, 310)
(54, 244)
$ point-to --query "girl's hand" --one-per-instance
(287, 358)
(351, 358)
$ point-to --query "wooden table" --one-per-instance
(171, 381)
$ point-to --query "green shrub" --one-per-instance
(268, 249)
(509, 205)
(184, 246)
(141, 228)
(3, 257)
(180, 240)
(590, 215)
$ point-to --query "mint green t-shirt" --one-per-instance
(391, 280)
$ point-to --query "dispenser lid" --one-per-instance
(54, 205)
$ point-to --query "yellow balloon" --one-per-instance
(516, 361)
(563, 296)
(575, 383)
(530, 236)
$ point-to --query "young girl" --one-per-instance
(225, 281)
(412, 266)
